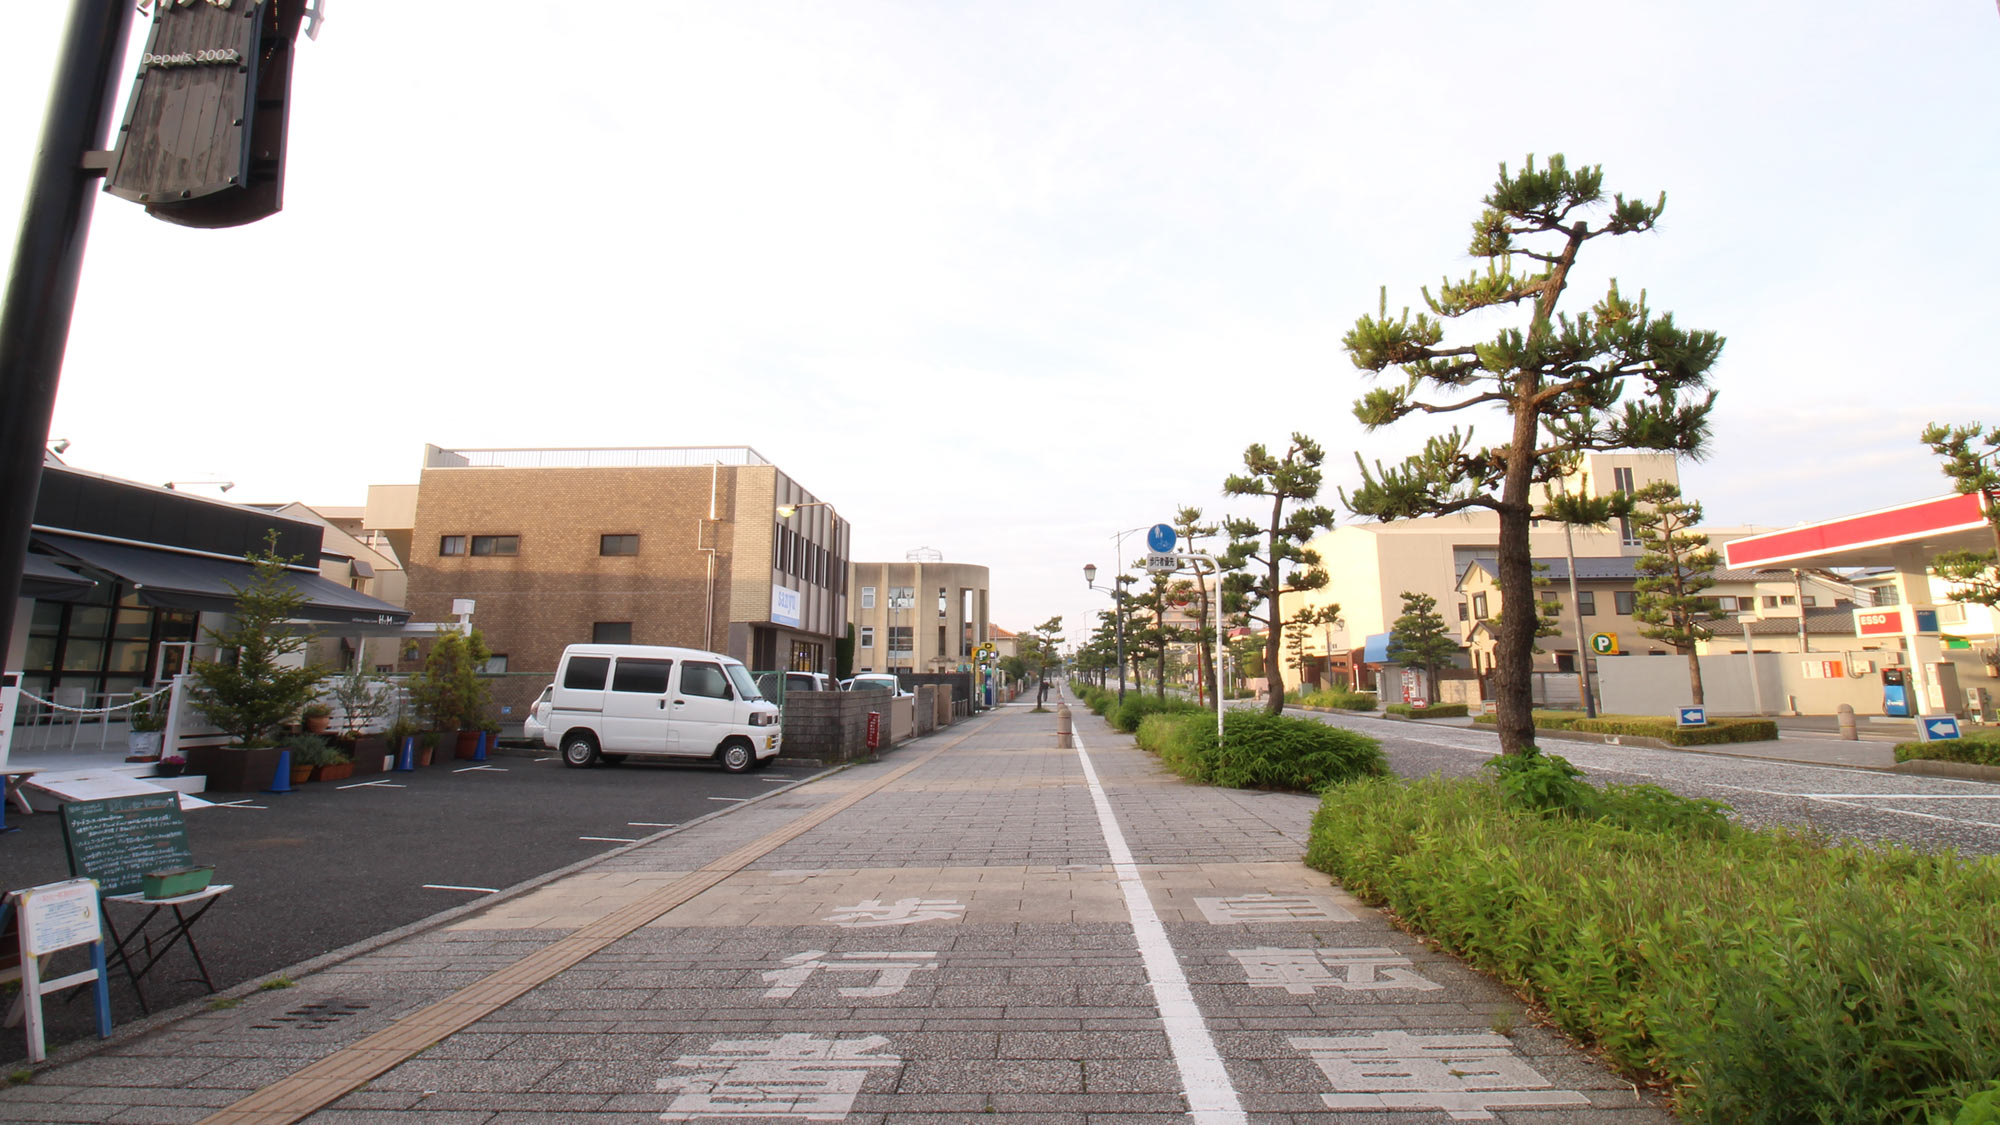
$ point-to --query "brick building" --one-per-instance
(662, 546)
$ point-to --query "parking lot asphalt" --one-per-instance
(334, 863)
(981, 925)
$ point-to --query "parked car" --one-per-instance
(775, 686)
(875, 681)
(536, 722)
(611, 701)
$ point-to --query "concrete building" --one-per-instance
(919, 616)
(709, 547)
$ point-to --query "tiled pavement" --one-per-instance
(951, 934)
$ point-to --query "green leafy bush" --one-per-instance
(1340, 700)
(1126, 716)
(1434, 711)
(1768, 976)
(312, 750)
(1717, 732)
(1262, 751)
(1978, 750)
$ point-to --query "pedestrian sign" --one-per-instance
(1693, 717)
(1161, 538)
(1939, 728)
(1604, 644)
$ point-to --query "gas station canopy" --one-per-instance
(1926, 527)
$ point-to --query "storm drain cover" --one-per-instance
(313, 1017)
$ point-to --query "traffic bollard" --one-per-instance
(282, 783)
(479, 751)
(1063, 730)
(406, 756)
(1845, 714)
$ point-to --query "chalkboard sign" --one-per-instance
(116, 841)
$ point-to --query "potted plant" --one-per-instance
(448, 690)
(315, 718)
(316, 759)
(253, 688)
(169, 765)
(363, 700)
(148, 720)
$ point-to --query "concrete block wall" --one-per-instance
(828, 727)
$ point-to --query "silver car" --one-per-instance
(536, 722)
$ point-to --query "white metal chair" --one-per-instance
(71, 697)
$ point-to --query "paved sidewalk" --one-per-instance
(978, 926)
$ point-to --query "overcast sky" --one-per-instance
(1005, 279)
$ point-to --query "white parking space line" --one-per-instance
(374, 785)
(1204, 1079)
(1901, 796)
(472, 769)
(449, 887)
(610, 839)
(737, 799)
(243, 804)
(779, 779)
(650, 824)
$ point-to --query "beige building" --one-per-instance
(919, 616)
(708, 547)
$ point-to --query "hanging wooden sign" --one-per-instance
(203, 140)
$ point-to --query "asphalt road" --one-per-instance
(330, 864)
(1845, 803)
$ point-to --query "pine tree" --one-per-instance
(1614, 377)
(1278, 546)
(255, 686)
(1676, 567)
(1420, 638)
(1974, 575)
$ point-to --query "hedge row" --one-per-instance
(1978, 750)
(1260, 750)
(1767, 976)
(1339, 700)
(1717, 732)
(1433, 711)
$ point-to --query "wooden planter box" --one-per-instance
(369, 753)
(233, 769)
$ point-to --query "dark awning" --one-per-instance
(42, 577)
(176, 581)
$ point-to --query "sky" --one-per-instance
(1006, 280)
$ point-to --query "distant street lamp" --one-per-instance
(1117, 592)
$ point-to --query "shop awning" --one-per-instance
(42, 577)
(176, 581)
(1375, 650)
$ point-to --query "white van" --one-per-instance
(615, 700)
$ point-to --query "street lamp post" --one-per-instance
(1117, 592)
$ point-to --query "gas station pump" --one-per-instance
(1896, 693)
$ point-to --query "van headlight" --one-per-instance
(763, 718)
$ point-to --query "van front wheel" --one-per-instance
(579, 751)
(736, 756)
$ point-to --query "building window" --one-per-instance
(868, 636)
(941, 650)
(1586, 602)
(496, 665)
(944, 600)
(1811, 600)
(1464, 612)
(1623, 600)
(611, 633)
(496, 545)
(900, 641)
(451, 544)
(867, 597)
(617, 544)
(1479, 606)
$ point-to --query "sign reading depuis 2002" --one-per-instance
(203, 140)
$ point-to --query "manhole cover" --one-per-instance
(313, 1017)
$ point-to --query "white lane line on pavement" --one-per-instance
(1204, 1078)
(449, 887)
(610, 839)
(737, 799)
(649, 824)
(1901, 796)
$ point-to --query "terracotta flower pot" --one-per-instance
(340, 772)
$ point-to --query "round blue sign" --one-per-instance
(1161, 538)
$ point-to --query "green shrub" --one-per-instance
(1262, 751)
(312, 750)
(1433, 711)
(1978, 750)
(1340, 700)
(1126, 716)
(1717, 732)
(1768, 976)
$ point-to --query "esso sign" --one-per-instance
(1878, 622)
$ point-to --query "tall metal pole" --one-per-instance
(48, 262)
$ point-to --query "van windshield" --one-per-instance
(740, 676)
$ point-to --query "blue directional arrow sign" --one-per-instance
(1160, 538)
(1941, 728)
(1694, 716)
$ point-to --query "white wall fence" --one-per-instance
(1789, 683)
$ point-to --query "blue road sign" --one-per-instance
(1160, 539)
(1694, 716)
(1940, 728)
